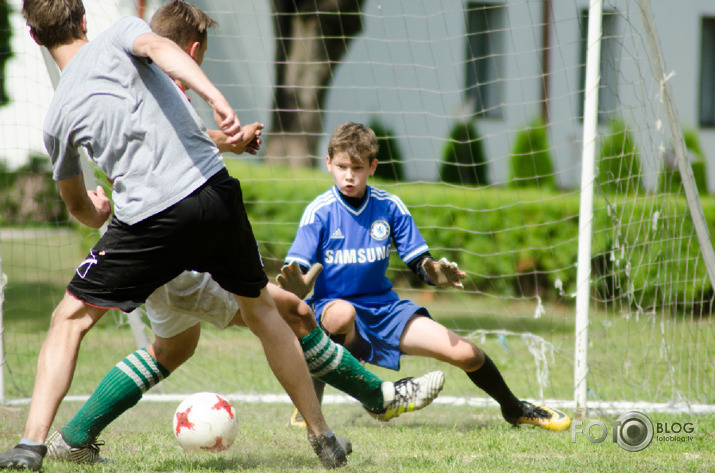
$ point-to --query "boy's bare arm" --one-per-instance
(91, 208)
(180, 66)
(251, 142)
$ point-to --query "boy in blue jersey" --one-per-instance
(350, 230)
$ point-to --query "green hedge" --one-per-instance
(463, 157)
(389, 157)
(669, 179)
(531, 164)
(5, 49)
(514, 243)
(619, 163)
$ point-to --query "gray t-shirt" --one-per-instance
(134, 122)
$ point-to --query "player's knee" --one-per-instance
(300, 318)
(469, 357)
(74, 316)
(338, 317)
(172, 357)
(174, 351)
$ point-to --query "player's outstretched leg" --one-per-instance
(409, 394)
(405, 395)
(334, 365)
(516, 412)
(59, 449)
(540, 416)
(120, 389)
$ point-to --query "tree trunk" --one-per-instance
(311, 38)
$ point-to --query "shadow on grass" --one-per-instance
(431, 420)
(274, 461)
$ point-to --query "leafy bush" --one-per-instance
(670, 180)
(619, 166)
(463, 159)
(500, 237)
(531, 164)
(7, 177)
(5, 49)
(29, 195)
(389, 157)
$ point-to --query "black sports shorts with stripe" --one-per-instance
(207, 231)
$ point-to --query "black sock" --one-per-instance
(489, 379)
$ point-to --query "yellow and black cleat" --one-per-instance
(541, 416)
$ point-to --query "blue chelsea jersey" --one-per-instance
(353, 245)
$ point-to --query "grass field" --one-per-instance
(437, 439)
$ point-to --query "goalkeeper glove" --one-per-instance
(292, 280)
(444, 273)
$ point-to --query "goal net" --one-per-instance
(478, 106)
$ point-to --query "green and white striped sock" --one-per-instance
(334, 365)
(119, 390)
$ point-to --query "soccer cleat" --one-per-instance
(296, 420)
(58, 449)
(540, 416)
(409, 394)
(333, 450)
(23, 457)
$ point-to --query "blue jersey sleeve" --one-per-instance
(406, 236)
(305, 246)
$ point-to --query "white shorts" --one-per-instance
(186, 300)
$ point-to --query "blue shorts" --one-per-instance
(379, 326)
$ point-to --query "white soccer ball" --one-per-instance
(205, 421)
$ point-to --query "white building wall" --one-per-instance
(407, 68)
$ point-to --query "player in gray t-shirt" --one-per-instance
(176, 207)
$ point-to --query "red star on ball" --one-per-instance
(223, 404)
(182, 421)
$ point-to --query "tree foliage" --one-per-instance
(669, 179)
(619, 163)
(463, 159)
(5, 51)
(389, 156)
(531, 164)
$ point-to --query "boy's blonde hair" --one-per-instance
(181, 22)
(355, 139)
(54, 22)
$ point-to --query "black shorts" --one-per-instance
(207, 231)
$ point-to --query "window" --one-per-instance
(707, 73)
(610, 64)
(485, 58)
